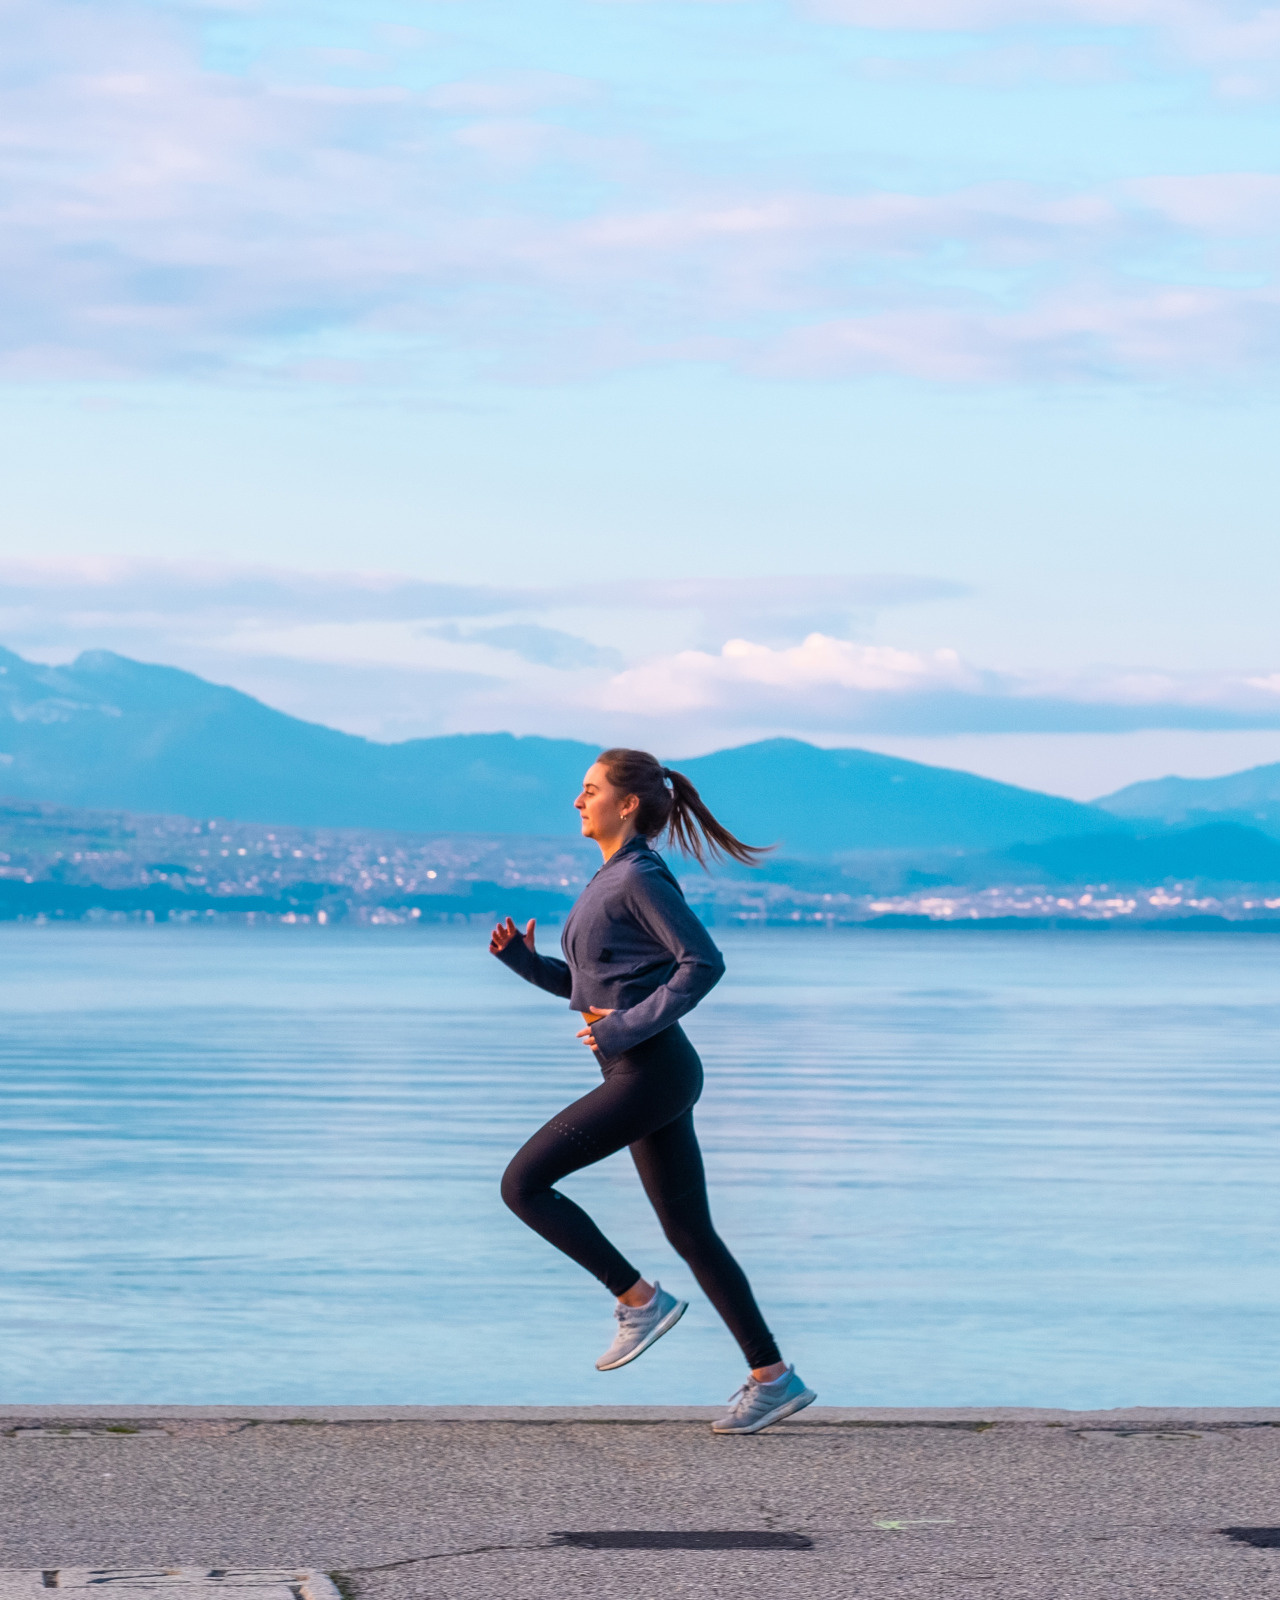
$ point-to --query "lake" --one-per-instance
(255, 1165)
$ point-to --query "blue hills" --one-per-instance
(1250, 798)
(109, 732)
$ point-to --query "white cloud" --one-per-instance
(1233, 203)
(835, 687)
(531, 642)
(208, 594)
(676, 663)
(508, 652)
(697, 680)
(1217, 33)
(1167, 333)
(965, 15)
(1241, 38)
(160, 217)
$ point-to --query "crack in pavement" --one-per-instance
(446, 1555)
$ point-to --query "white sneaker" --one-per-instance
(641, 1326)
(760, 1405)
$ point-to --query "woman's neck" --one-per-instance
(610, 847)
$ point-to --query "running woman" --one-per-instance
(636, 961)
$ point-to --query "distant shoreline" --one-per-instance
(1072, 924)
(892, 923)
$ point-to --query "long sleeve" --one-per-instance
(656, 902)
(547, 972)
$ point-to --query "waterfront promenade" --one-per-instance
(416, 1503)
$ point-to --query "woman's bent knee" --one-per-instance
(515, 1190)
(520, 1188)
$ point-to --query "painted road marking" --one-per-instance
(170, 1583)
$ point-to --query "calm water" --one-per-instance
(254, 1165)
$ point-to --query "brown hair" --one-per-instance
(677, 810)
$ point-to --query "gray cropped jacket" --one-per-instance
(632, 947)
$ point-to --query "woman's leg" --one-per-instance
(626, 1107)
(670, 1166)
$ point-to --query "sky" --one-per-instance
(900, 373)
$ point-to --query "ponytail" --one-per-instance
(670, 804)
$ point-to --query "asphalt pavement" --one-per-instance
(461, 1502)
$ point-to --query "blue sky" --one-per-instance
(895, 374)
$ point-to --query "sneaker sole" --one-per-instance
(788, 1408)
(655, 1333)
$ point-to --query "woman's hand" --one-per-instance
(590, 1017)
(506, 931)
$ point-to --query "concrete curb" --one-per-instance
(14, 1414)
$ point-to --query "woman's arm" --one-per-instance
(657, 904)
(517, 951)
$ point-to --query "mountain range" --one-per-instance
(1251, 798)
(109, 732)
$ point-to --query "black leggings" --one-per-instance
(646, 1101)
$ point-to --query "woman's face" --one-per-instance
(606, 812)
